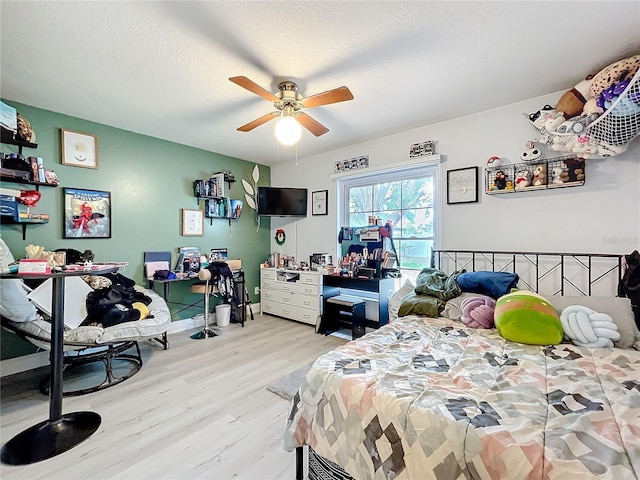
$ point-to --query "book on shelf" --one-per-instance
(41, 176)
(9, 192)
(33, 215)
(217, 180)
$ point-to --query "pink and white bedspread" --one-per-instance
(429, 398)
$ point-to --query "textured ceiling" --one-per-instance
(162, 68)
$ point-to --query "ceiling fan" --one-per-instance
(289, 103)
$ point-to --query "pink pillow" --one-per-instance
(477, 312)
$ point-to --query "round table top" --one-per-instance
(95, 270)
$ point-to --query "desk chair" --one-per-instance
(208, 289)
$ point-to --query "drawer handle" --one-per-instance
(285, 311)
(306, 302)
(308, 290)
(306, 316)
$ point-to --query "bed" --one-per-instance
(429, 397)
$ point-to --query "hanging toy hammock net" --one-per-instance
(606, 136)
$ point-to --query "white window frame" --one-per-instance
(390, 174)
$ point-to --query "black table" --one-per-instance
(59, 432)
(332, 285)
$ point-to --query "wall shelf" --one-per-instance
(558, 172)
(10, 138)
(6, 178)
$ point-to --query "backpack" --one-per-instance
(629, 286)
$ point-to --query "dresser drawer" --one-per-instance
(306, 301)
(267, 306)
(307, 289)
(307, 315)
(285, 297)
(307, 278)
(285, 286)
(268, 294)
(269, 274)
(288, 311)
(268, 285)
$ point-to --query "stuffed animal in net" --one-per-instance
(588, 328)
(477, 312)
(572, 102)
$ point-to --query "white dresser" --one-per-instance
(292, 294)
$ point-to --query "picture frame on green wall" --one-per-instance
(79, 149)
(87, 213)
(192, 223)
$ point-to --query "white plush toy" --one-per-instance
(588, 328)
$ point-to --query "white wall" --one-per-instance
(603, 216)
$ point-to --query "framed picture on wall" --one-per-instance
(192, 223)
(319, 202)
(87, 213)
(79, 149)
(462, 185)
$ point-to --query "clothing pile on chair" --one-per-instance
(222, 277)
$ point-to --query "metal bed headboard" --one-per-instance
(592, 274)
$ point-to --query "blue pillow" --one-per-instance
(493, 284)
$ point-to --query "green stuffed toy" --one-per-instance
(526, 317)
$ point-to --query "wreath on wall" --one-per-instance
(280, 236)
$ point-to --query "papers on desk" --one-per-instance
(75, 299)
(152, 267)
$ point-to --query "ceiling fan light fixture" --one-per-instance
(288, 130)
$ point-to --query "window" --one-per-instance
(407, 198)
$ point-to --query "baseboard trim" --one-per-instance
(11, 366)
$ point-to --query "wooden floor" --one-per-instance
(198, 410)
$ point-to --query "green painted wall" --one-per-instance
(150, 181)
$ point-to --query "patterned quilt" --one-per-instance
(427, 398)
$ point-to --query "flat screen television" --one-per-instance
(282, 202)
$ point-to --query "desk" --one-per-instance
(333, 284)
(165, 284)
(59, 432)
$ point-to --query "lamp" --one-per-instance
(288, 130)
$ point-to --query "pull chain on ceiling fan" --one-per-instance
(289, 105)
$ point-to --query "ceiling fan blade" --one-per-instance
(340, 94)
(310, 124)
(258, 121)
(250, 85)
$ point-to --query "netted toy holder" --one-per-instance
(609, 134)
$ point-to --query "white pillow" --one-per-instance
(396, 299)
(618, 308)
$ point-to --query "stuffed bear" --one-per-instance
(539, 175)
(523, 179)
(556, 175)
(572, 102)
(575, 170)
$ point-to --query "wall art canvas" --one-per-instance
(87, 213)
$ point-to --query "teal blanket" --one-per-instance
(436, 283)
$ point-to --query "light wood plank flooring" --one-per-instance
(198, 410)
